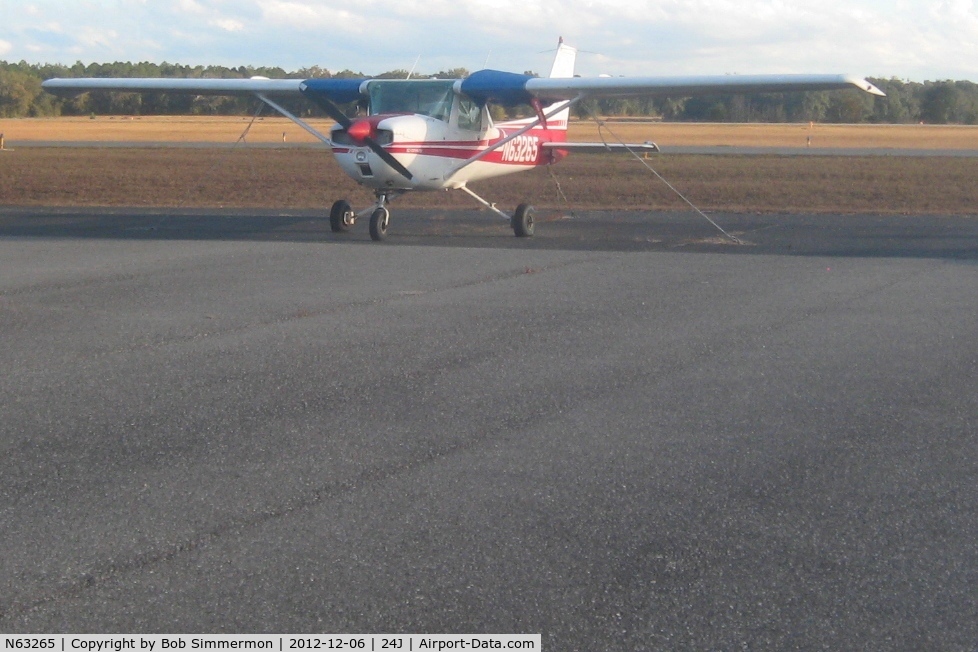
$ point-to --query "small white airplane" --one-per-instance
(435, 134)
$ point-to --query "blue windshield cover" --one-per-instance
(506, 88)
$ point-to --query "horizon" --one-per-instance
(366, 75)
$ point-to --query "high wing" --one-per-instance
(193, 86)
(511, 88)
(685, 86)
(484, 85)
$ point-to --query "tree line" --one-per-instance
(933, 102)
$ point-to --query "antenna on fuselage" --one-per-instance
(411, 72)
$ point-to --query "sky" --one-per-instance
(912, 40)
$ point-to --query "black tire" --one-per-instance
(379, 221)
(341, 216)
(522, 221)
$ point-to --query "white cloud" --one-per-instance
(190, 7)
(309, 15)
(915, 39)
(229, 24)
(89, 37)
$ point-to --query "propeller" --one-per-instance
(341, 118)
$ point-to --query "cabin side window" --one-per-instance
(469, 114)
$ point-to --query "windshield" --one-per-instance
(432, 97)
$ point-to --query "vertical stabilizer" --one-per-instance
(563, 67)
(564, 61)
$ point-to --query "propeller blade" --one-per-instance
(387, 158)
(334, 112)
(331, 109)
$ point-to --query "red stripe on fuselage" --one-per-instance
(524, 150)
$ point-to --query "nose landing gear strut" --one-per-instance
(342, 218)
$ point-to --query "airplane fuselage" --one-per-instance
(434, 151)
(436, 132)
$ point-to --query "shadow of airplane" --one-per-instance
(882, 236)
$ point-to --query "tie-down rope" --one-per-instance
(222, 160)
(603, 125)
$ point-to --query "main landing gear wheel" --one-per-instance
(522, 221)
(341, 217)
(379, 221)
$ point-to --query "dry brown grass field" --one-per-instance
(309, 178)
(271, 130)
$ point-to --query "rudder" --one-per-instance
(563, 67)
(564, 60)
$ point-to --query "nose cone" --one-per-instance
(360, 130)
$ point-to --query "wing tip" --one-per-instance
(871, 89)
(864, 85)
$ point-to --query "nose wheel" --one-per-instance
(379, 221)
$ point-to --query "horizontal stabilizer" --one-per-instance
(598, 148)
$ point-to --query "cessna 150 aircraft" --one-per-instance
(434, 134)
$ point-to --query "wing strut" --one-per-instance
(299, 121)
